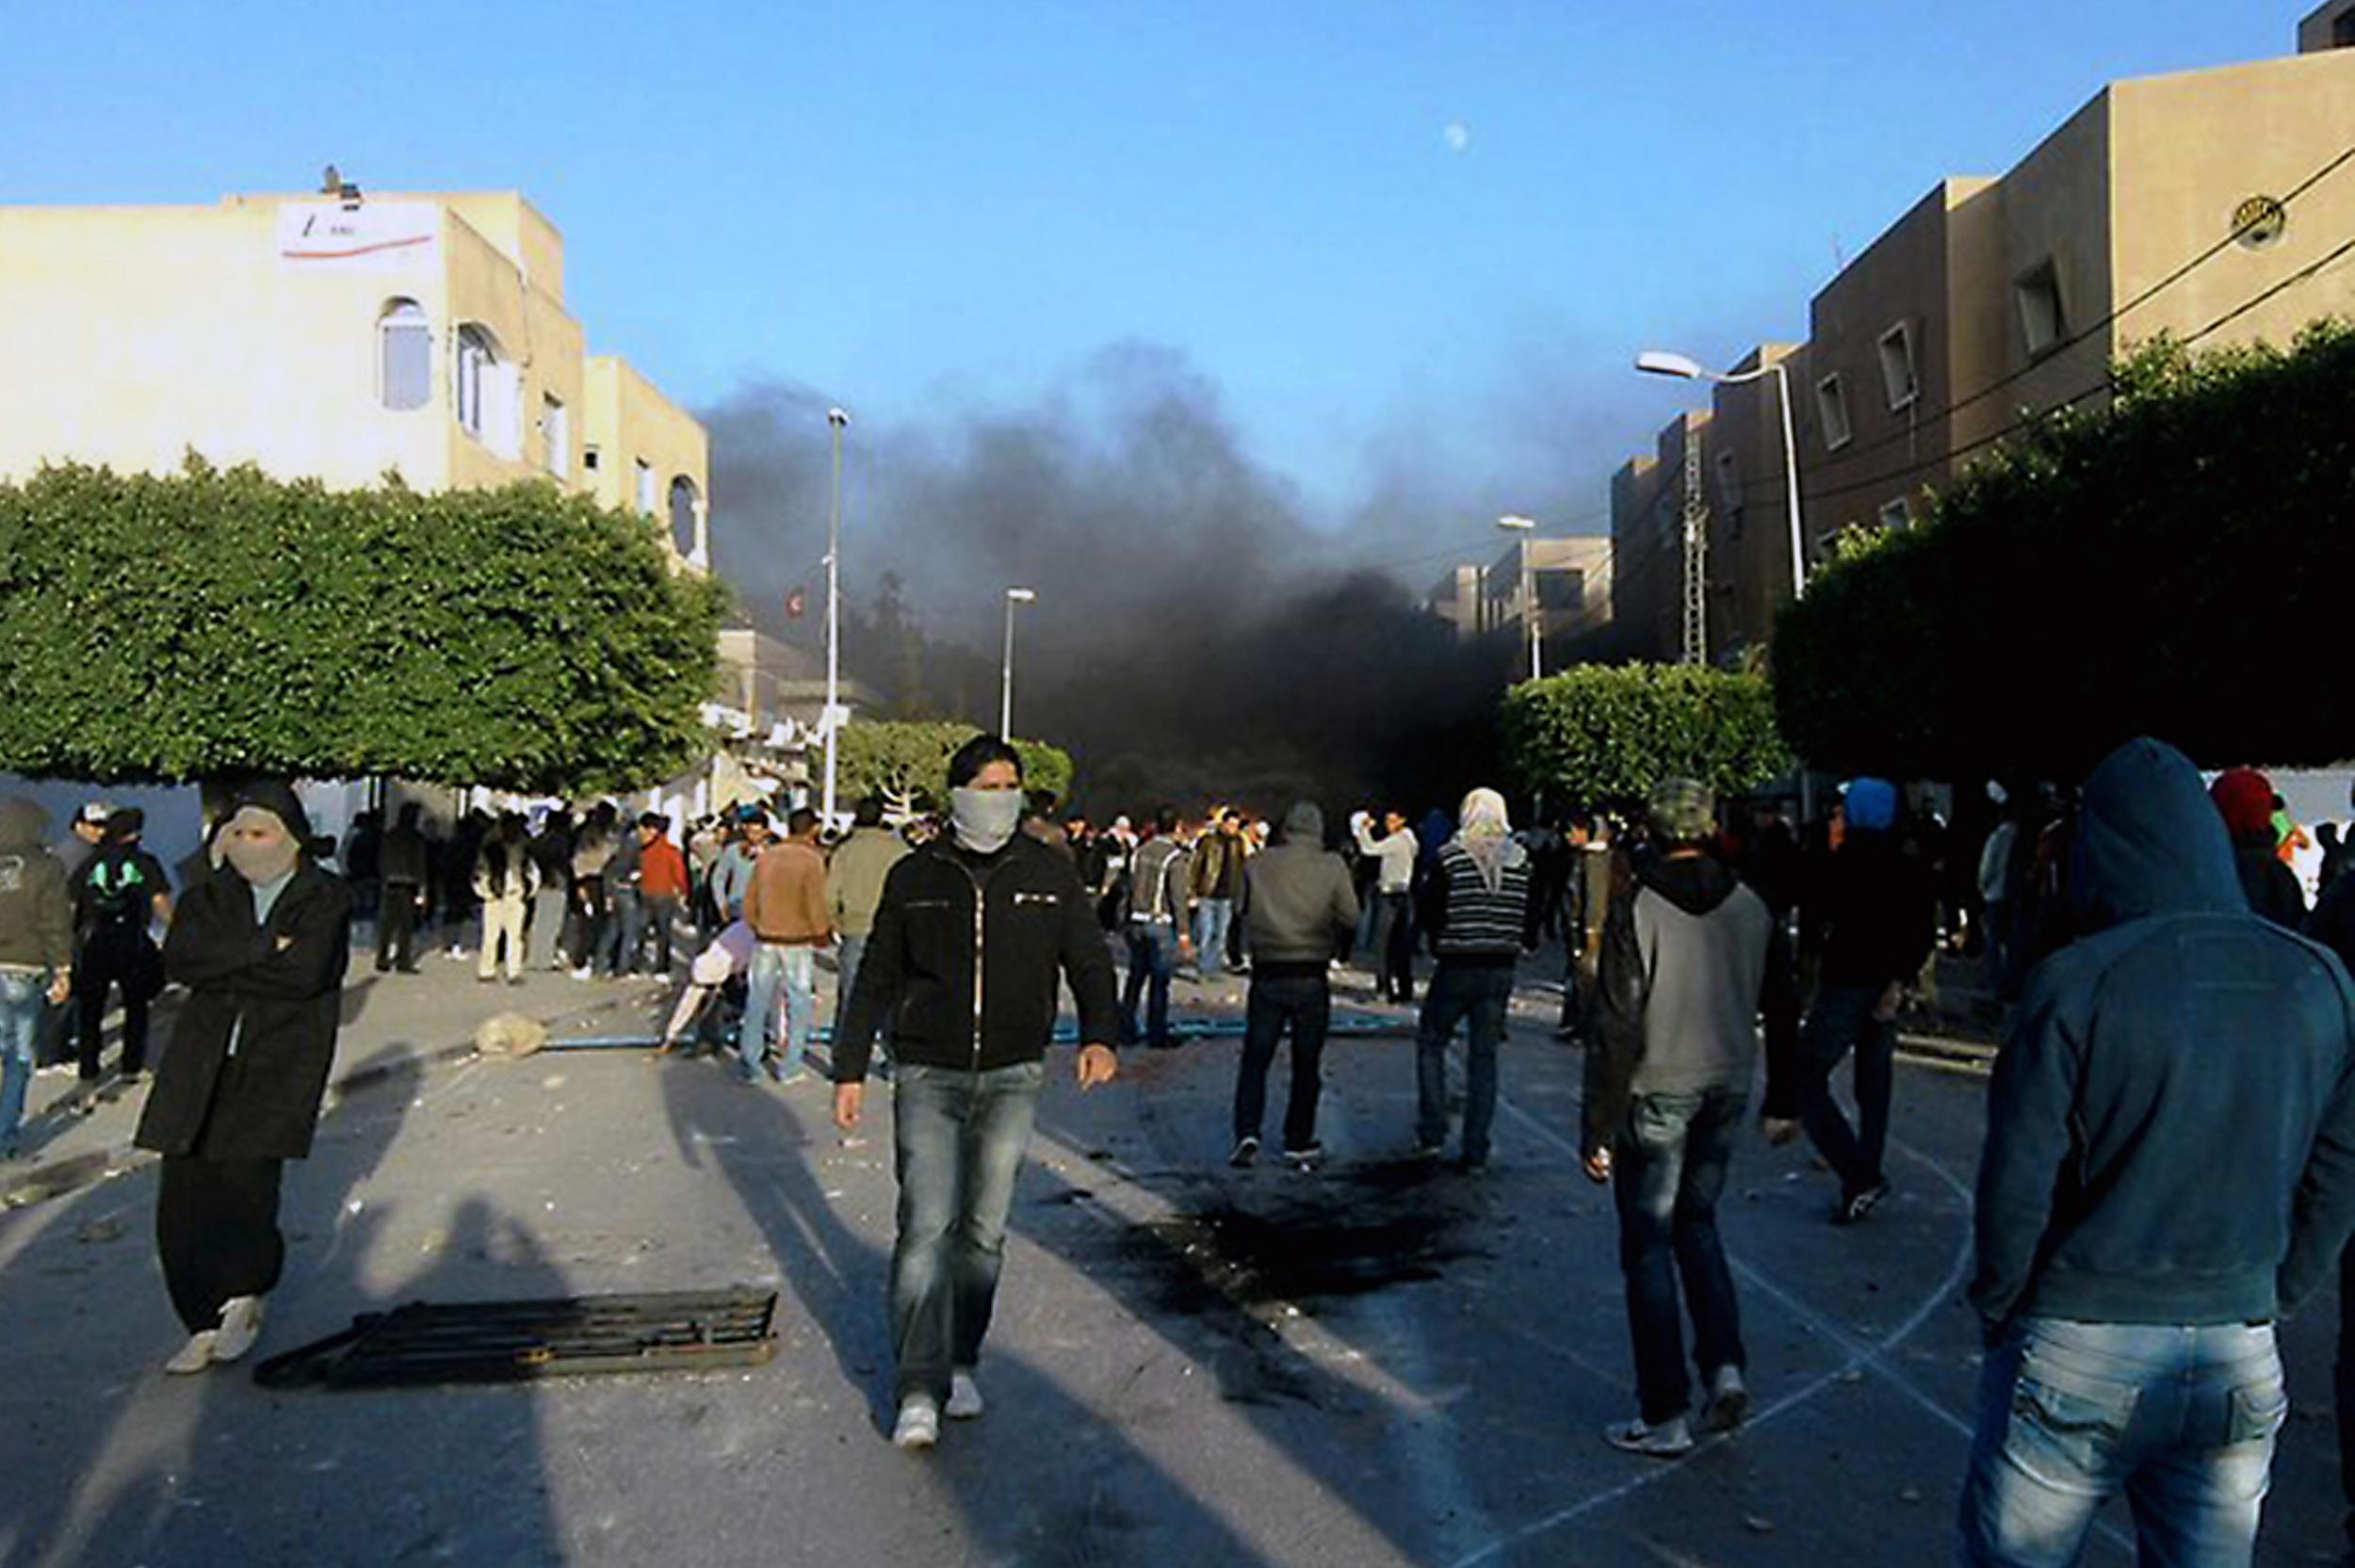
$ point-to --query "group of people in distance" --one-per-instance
(2168, 1162)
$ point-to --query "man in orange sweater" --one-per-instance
(786, 906)
(661, 884)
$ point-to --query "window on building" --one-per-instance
(1897, 374)
(476, 358)
(556, 437)
(686, 511)
(2043, 323)
(589, 458)
(1730, 495)
(1897, 513)
(404, 356)
(1831, 407)
(645, 487)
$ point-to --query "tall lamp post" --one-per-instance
(837, 420)
(1655, 361)
(1005, 701)
(1658, 363)
(1527, 527)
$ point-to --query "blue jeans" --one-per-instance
(1152, 958)
(1459, 992)
(1843, 1020)
(24, 1006)
(794, 971)
(957, 1139)
(1212, 916)
(2182, 1419)
(625, 933)
(1304, 1004)
(846, 974)
(1667, 1169)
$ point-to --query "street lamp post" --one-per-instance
(1527, 527)
(1005, 701)
(837, 421)
(1658, 363)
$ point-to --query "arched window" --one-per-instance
(404, 356)
(475, 369)
(686, 519)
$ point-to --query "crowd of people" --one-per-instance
(2169, 1156)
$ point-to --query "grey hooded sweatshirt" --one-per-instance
(1298, 898)
(36, 909)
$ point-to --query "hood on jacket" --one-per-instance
(1304, 823)
(22, 824)
(276, 797)
(2148, 842)
(1695, 884)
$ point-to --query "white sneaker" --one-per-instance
(965, 1396)
(1728, 1403)
(195, 1355)
(919, 1423)
(1668, 1439)
(240, 1326)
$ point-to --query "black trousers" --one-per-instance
(1304, 1004)
(397, 933)
(1396, 936)
(111, 959)
(217, 1232)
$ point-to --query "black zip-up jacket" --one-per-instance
(966, 959)
(1880, 914)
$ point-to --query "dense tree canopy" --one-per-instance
(210, 623)
(1599, 733)
(907, 762)
(2168, 565)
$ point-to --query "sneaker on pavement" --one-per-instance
(918, 1426)
(1857, 1206)
(240, 1326)
(1246, 1151)
(1307, 1158)
(1728, 1403)
(1426, 1149)
(1668, 1440)
(195, 1355)
(965, 1396)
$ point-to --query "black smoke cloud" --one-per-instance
(1196, 636)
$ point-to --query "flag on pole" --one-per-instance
(796, 602)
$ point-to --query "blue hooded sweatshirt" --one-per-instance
(2172, 1126)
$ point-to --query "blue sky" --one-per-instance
(927, 209)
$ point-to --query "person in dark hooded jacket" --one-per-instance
(1878, 919)
(121, 890)
(262, 948)
(2244, 798)
(2169, 1166)
(1679, 981)
(1298, 905)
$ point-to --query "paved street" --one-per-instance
(1380, 1365)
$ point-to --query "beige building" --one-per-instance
(339, 336)
(2186, 205)
(1648, 503)
(1570, 578)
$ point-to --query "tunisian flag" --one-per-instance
(796, 602)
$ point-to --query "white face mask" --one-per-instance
(985, 819)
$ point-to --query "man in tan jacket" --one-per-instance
(854, 880)
(785, 907)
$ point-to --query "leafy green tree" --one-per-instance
(908, 763)
(215, 622)
(1598, 734)
(2170, 564)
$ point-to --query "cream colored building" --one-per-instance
(340, 336)
(2184, 204)
(1570, 577)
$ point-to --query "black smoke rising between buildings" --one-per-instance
(1195, 638)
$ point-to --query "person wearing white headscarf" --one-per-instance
(1475, 906)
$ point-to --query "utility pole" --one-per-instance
(831, 726)
(1696, 553)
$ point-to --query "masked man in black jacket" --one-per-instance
(262, 947)
(973, 933)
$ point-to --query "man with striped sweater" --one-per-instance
(1474, 904)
